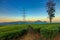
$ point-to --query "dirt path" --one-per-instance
(31, 35)
(57, 37)
(35, 35)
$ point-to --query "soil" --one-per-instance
(57, 37)
(31, 35)
(34, 35)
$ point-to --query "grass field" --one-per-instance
(13, 31)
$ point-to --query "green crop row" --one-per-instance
(14, 31)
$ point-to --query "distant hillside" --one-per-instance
(20, 22)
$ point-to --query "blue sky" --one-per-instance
(12, 10)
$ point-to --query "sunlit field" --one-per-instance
(14, 31)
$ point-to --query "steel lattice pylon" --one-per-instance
(24, 14)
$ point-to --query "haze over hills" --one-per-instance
(26, 22)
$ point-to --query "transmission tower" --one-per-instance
(24, 15)
(51, 9)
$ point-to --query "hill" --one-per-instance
(21, 22)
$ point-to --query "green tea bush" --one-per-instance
(49, 32)
(13, 31)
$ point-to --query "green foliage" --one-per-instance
(49, 32)
(10, 31)
(13, 31)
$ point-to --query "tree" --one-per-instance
(51, 9)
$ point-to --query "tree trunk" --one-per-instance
(50, 20)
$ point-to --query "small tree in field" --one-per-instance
(51, 10)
